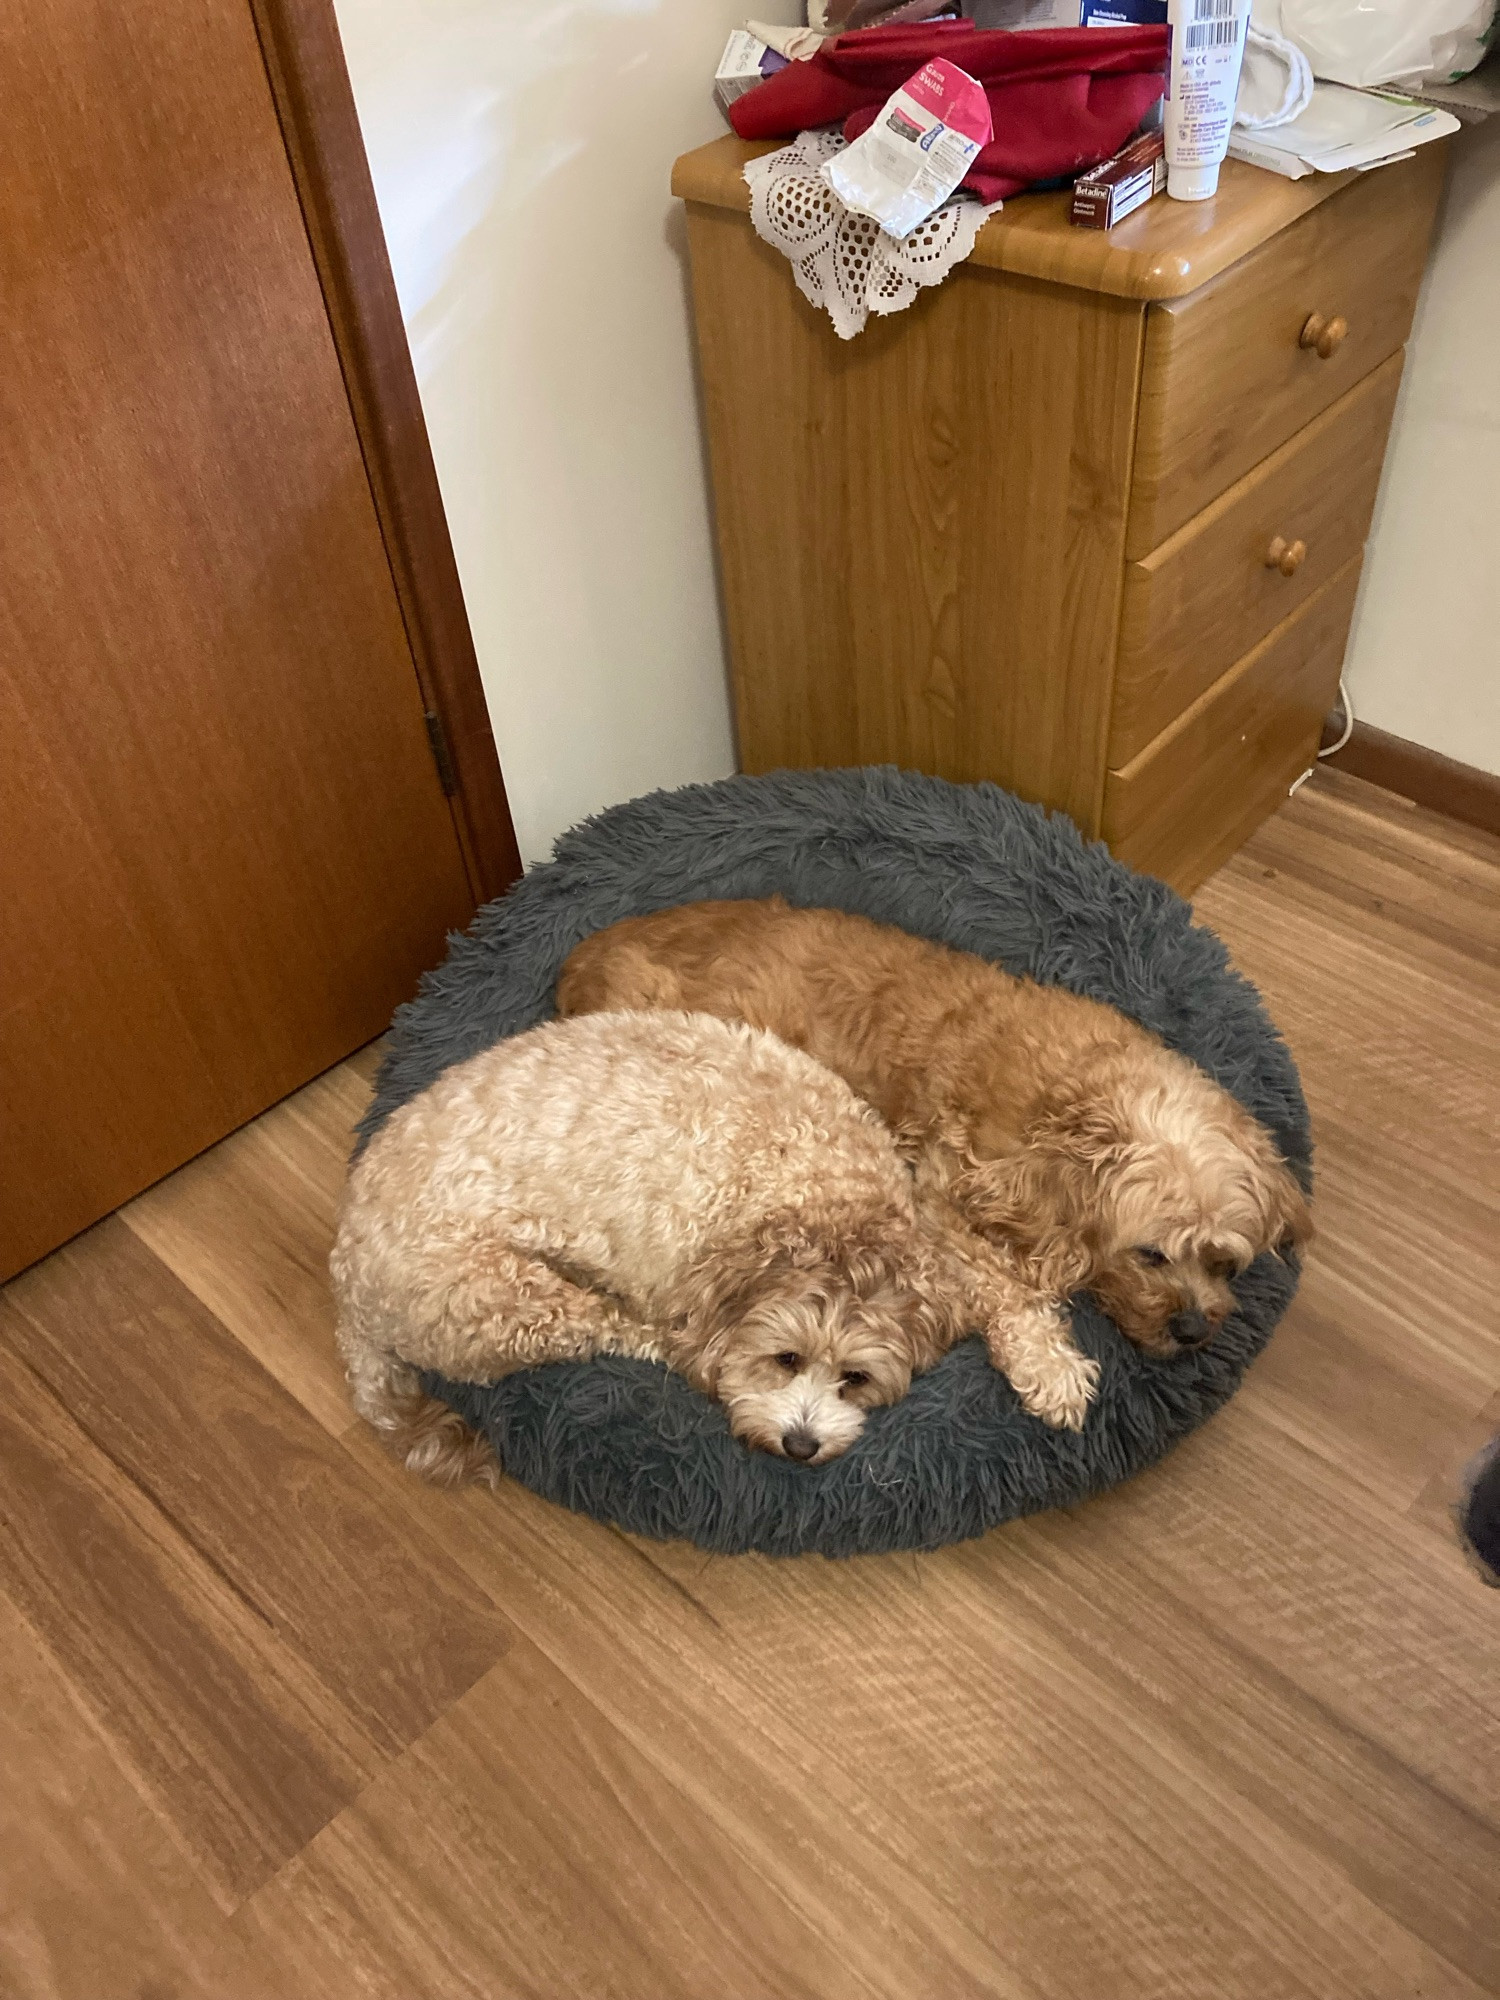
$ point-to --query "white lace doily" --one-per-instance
(845, 262)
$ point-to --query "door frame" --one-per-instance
(304, 59)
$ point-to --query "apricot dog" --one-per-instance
(1056, 1124)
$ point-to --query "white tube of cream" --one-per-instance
(1208, 46)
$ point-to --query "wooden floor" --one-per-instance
(275, 1720)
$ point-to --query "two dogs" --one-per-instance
(1108, 1162)
(665, 1172)
(672, 1186)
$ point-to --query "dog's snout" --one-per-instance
(799, 1444)
(1197, 1329)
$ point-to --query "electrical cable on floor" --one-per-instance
(1348, 729)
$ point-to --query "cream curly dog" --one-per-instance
(672, 1186)
(1107, 1162)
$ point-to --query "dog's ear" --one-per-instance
(1289, 1223)
(714, 1297)
(1046, 1196)
(613, 971)
(1282, 1218)
(1043, 1202)
(722, 1287)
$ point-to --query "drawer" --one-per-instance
(1203, 786)
(1225, 378)
(1212, 591)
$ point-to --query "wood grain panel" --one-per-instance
(98, 1899)
(1296, 1770)
(240, 1749)
(247, 1228)
(1446, 1488)
(526, 1848)
(227, 852)
(1163, 251)
(793, 713)
(385, 1622)
(1207, 595)
(1199, 789)
(775, 1787)
(206, 1566)
(919, 531)
(1225, 380)
(1004, 1777)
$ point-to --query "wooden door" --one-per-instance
(226, 850)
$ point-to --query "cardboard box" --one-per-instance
(1123, 13)
(1108, 193)
(746, 61)
(1018, 14)
(1065, 13)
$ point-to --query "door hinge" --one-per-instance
(442, 756)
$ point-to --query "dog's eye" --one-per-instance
(789, 1361)
(855, 1378)
(1149, 1254)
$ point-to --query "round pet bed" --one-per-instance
(975, 868)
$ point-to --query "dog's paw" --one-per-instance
(1052, 1378)
(1063, 1398)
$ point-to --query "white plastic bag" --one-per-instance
(907, 163)
(1367, 42)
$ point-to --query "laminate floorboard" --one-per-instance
(278, 1721)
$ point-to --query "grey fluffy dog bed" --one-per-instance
(969, 865)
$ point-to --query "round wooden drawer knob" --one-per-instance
(1326, 335)
(1286, 556)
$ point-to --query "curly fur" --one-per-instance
(964, 865)
(1108, 1162)
(668, 1186)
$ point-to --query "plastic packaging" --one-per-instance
(917, 150)
(1390, 41)
(1208, 46)
(1343, 129)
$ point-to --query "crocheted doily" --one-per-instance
(845, 262)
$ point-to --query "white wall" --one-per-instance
(521, 151)
(1424, 658)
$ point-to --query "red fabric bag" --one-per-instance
(1061, 99)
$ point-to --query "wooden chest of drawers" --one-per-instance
(1086, 519)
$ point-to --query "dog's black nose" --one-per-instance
(801, 1445)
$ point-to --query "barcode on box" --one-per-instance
(1212, 34)
(1213, 10)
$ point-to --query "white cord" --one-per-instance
(1348, 731)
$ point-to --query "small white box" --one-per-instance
(746, 61)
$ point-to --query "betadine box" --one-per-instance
(746, 61)
(1108, 193)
